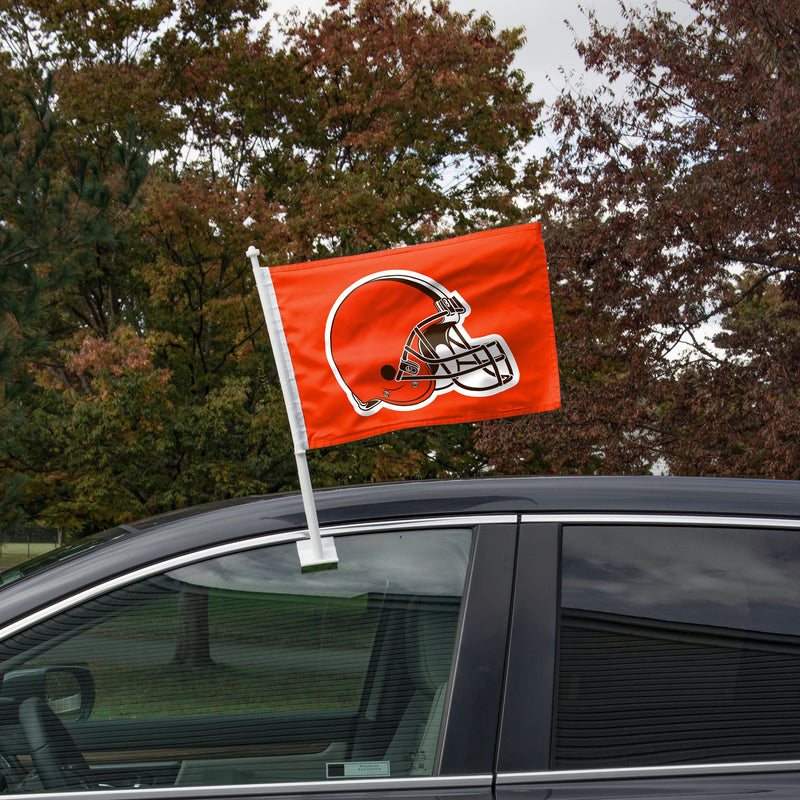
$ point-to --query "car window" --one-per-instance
(678, 645)
(243, 669)
(52, 557)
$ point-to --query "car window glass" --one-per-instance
(244, 669)
(678, 645)
(60, 554)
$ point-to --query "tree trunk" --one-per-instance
(193, 648)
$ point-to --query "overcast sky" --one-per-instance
(549, 44)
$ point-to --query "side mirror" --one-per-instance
(68, 690)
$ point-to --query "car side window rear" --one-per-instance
(244, 669)
(678, 645)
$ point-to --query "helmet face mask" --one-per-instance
(453, 358)
(417, 348)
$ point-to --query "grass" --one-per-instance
(254, 630)
(257, 618)
(13, 554)
(168, 690)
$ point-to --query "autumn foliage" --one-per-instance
(674, 251)
(157, 141)
(145, 145)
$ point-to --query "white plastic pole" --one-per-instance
(315, 553)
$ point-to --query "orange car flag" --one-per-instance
(458, 330)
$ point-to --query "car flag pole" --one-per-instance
(316, 552)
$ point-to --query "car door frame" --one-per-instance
(472, 710)
(526, 740)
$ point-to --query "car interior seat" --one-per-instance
(429, 639)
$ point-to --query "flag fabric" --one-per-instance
(458, 330)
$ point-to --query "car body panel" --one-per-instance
(499, 716)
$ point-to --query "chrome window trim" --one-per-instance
(261, 789)
(466, 520)
(227, 548)
(668, 771)
(661, 518)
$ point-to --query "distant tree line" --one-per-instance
(145, 144)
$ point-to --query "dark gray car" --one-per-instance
(512, 638)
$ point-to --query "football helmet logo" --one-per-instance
(395, 339)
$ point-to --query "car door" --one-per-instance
(233, 667)
(653, 656)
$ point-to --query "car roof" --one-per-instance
(157, 538)
(524, 494)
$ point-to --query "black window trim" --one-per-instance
(471, 723)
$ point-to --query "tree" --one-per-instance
(681, 200)
(376, 123)
(385, 122)
(193, 643)
(54, 232)
(747, 403)
(22, 291)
